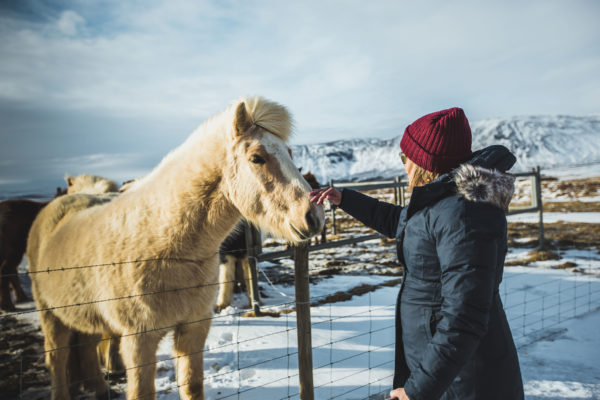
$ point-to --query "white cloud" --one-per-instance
(70, 23)
(343, 68)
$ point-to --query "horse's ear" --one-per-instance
(69, 180)
(242, 121)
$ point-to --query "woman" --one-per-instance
(452, 337)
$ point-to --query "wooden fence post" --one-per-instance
(403, 196)
(334, 229)
(539, 204)
(305, 363)
(397, 191)
(253, 246)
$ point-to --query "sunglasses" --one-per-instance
(403, 157)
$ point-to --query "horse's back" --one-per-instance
(55, 214)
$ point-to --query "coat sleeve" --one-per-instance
(468, 240)
(378, 215)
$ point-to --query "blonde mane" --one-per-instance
(269, 115)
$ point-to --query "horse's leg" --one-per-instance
(248, 280)
(226, 282)
(5, 300)
(90, 373)
(56, 346)
(74, 372)
(108, 353)
(188, 350)
(138, 351)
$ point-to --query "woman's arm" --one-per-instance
(379, 215)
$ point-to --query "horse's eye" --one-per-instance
(256, 159)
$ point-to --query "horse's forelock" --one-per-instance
(270, 116)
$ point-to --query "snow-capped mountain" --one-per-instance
(547, 141)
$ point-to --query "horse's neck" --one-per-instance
(186, 204)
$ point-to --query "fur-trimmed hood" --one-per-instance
(480, 184)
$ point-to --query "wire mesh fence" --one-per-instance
(535, 307)
(352, 347)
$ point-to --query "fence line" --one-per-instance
(303, 302)
(399, 198)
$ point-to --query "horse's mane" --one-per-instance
(270, 115)
(265, 113)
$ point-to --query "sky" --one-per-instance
(110, 87)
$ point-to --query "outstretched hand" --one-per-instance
(331, 194)
(398, 394)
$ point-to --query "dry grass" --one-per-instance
(355, 291)
(566, 265)
(564, 206)
(574, 188)
(562, 235)
(571, 206)
(273, 314)
(534, 256)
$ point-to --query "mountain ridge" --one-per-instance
(544, 140)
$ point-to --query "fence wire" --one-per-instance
(532, 316)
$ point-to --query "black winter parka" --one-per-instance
(452, 336)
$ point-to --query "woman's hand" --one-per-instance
(332, 194)
(398, 394)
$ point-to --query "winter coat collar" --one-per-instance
(481, 179)
(479, 184)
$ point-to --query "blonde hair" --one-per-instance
(422, 177)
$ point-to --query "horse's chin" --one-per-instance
(299, 235)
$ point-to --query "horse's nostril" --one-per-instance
(312, 221)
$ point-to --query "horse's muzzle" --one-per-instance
(314, 220)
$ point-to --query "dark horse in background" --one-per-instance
(16, 217)
(312, 181)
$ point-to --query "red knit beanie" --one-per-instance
(438, 142)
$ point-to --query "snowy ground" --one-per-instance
(554, 316)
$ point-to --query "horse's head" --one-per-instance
(262, 180)
(90, 184)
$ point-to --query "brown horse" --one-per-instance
(16, 217)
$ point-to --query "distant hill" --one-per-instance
(547, 141)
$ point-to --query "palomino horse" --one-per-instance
(16, 217)
(148, 259)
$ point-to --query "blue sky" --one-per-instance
(110, 87)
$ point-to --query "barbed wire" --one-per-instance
(288, 308)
